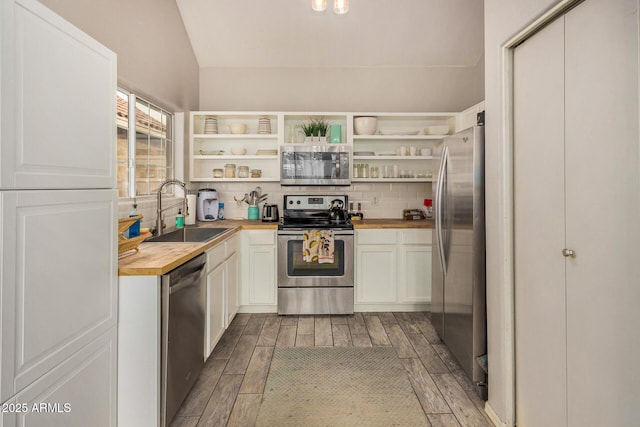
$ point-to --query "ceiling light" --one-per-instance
(340, 7)
(319, 5)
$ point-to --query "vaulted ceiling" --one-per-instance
(375, 33)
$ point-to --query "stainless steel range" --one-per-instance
(315, 256)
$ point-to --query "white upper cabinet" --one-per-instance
(58, 102)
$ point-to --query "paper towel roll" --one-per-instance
(190, 219)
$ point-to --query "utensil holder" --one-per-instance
(253, 213)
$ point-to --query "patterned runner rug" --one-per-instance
(338, 387)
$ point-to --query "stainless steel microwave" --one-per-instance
(326, 164)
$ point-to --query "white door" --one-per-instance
(539, 228)
(59, 278)
(58, 102)
(576, 149)
(603, 169)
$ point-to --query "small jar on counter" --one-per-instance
(230, 170)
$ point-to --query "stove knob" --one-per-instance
(298, 202)
(290, 202)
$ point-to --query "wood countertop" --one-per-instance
(156, 259)
(391, 223)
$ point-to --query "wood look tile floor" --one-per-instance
(229, 389)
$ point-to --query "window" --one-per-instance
(145, 146)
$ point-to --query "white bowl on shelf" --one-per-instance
(238, 151)
(238, 128)
(437, 130)
(365, 125)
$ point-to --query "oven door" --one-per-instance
(293, 271)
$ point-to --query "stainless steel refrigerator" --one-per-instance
(458, 304)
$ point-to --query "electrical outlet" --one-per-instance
(374, 201)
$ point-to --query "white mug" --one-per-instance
(401, 151)
(412, 151)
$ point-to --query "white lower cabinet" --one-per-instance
(376, 274)
(393, 269)
(222, 290)
(232, 270)
(258, 281)
(215, 307)
(74, 393)
(58, 281)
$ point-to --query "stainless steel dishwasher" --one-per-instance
(183, 328)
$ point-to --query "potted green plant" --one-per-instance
(322, 125)
(309, 129)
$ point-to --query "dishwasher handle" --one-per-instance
(187, 280)
(183, 276)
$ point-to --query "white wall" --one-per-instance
(503, 19)
(342, 89)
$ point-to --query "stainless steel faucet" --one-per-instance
(159, 222)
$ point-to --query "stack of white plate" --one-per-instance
(210, 125)
(264, 125)
(267, 152)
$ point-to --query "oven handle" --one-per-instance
(299, 232)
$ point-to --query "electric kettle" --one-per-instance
(270, 213)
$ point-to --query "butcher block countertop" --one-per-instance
(156, 259)
(392, 223)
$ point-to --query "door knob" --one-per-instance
(569, 253)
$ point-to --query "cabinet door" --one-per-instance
(262, 274)
(59, 278)
(232, 267)
(602, 148)
(215, 308)
(58, 118)
(415, 274)
(75, 393)
(376, 274)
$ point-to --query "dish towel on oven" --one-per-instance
(317, 246)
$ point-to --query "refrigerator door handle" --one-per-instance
(439, 211)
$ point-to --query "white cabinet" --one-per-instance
(222, 289)
(232, 269)
(258, 288)
(393, 269)
(396, 144)
(209, 150)
(58, 90)
(215, 308)
(389, 149)
(59, 292)
(75, 393)
(576, 340)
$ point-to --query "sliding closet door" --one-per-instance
(540, 229)
(603, 213)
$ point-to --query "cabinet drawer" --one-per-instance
(233, 245)
(215, 256)
(376, 237)
(262, 237)
(415, 237)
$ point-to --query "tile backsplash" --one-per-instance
(379, 200)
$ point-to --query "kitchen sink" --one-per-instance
(197, 234)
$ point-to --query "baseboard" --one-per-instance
(266, 308)
(374, 308)
(495, 419)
